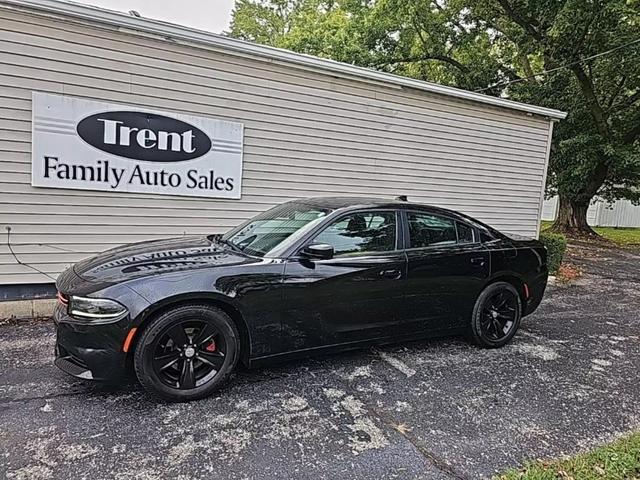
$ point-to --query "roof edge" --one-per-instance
(166, 29)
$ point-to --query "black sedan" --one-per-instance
(305, 277)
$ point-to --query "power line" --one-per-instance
(20, 262)
(545, 72)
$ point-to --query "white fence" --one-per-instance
(621, 213)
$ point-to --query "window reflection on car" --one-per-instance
(466, 233)
(427, 230)
(361, 233)
(263, 233)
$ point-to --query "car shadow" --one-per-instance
(337, 360)
(243, 377)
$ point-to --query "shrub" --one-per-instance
(556, 244)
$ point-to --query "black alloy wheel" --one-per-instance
(496, 315)
(187, 352)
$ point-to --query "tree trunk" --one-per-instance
(572, 218)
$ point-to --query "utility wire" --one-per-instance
(19, 262)
(53, 246)
(568, 65)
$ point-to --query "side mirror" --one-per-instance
(320, 251)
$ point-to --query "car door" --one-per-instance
(447, 268)
(354, 296)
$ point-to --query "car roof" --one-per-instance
(356, 203)
(339, 203)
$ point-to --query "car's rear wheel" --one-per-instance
(187, 352)
(496, 315)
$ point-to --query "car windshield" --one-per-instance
(269, 230)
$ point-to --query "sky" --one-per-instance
(210, 15)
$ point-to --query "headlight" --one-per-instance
(95, 310)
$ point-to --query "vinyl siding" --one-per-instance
(307, 133)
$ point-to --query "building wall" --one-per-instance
(621, 213)
(307, 133)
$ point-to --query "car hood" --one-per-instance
(156, 257)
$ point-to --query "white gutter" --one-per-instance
(169, 30)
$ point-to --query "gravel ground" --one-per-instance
(438, 409)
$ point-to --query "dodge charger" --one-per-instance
(306, 277)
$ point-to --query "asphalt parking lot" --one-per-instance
(439, 409)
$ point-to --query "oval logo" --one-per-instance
(144, 136)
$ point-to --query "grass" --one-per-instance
(619, 460)
(621, 235)
(625, 236)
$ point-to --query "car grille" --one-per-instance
(63, 354)
(71, 365)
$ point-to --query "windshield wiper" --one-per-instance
(230, 244)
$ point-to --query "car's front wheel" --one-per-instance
(187, 352)
(496, 315)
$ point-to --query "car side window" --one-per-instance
(427, 230)
(360, 233)
(485, 236)
(466, 233)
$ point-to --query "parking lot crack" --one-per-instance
(388, 422)
(432, 458)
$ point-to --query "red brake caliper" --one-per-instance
(211, 347)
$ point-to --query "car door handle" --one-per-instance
(478, 261)
(394, 273)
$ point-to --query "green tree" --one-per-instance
(546, 53)
(595, 150)
(398, 36)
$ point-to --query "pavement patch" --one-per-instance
(397, 364)
(543, 352)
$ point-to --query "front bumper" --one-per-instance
(91, 352)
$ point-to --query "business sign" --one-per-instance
(90, 145)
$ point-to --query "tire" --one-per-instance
(496, 315)
(187, 353)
